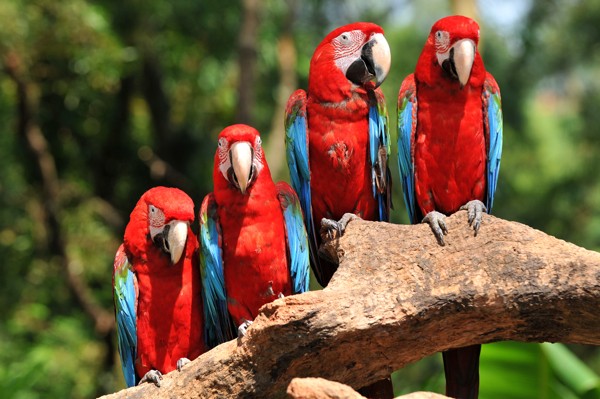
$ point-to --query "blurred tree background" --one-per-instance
(102, 99)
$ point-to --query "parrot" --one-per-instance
(337, 136)
(254, 246)
(449, 150)
(157, 288)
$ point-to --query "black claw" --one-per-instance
(331, 228)
(182, 362)
(439, 236)
(153, 376)
(242, 330)
(438, 226)
(443, 227)
(475, 210)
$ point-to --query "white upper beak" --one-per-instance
(382, 58)
(176, 238)
(241, 161)
(462, 56)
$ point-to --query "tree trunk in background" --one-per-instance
(288, 82)
(108, 166)
(158, 102)
(31, 133)
(468, 8)
(247, 42)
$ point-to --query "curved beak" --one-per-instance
(459, 60)
(176, 238)
(374, 62)
(464, 55)
(171, 239)
(241, 155)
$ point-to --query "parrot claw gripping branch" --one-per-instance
(254, 246)
(449, 149)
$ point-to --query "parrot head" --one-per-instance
(453, 43)
(165, 215)
(239, 159)
(351, 56)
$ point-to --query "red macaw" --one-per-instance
(449, 149)
(157, 288)
(337, 137)
(254, 244)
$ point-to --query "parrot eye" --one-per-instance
(258, 141)
(344, 39)
(442, 41)
(156, 218)
(222, 142)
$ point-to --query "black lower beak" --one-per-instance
(449, 66)
(363, 69)
(358, 72)
(161, 241)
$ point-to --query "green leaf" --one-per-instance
(570, 369)
(526, 371)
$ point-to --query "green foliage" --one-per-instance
(115, 84)
(517, 370)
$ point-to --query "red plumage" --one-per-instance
(338, 132)
(169, 301)
(450, 149)
(252, 228)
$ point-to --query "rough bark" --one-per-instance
(397, 297)
(319, 388)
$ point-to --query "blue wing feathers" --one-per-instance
(297, 239)
(125, 296)
(379, 152)
(407, 114)
(218, 326)
(296, 144)
(493, 130)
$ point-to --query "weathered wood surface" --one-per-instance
(319, 388)
(397, 297)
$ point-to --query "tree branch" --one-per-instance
(319, 388)
(397, 297)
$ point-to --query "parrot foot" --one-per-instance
(182, 362)
(153, 376)
(330, 229)
(242, 329)
(475, 210)
(437, 222)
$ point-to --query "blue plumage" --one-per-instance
(379, 139)
(124, 286)
(218, 326)
(407, 122)
(296, 145)
(297, 240)
(493, 125)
